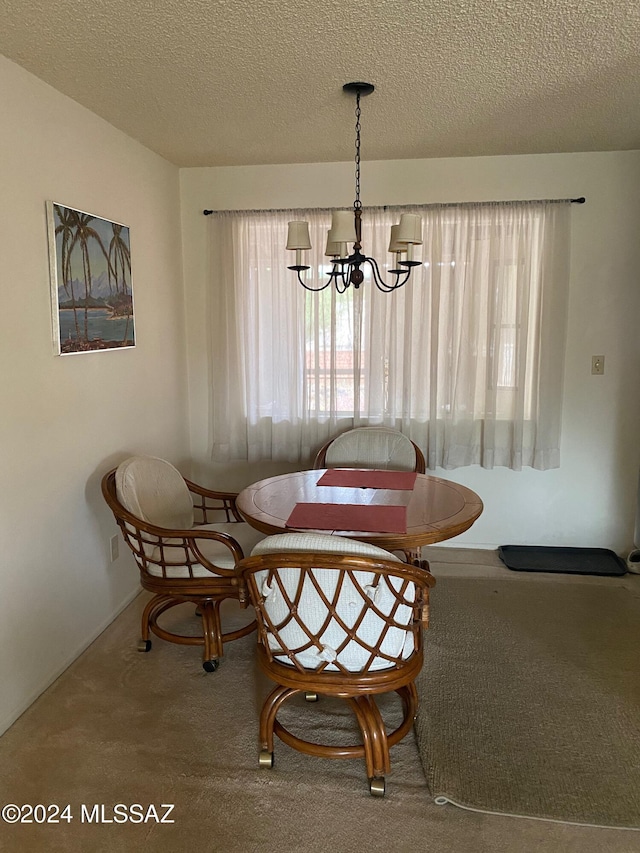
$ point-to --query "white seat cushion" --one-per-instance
(371, 447)
(314, 542)
(354, 598)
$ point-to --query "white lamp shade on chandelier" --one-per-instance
(394, 244)
(409, 229)
(298, 235)
(343, 229)
(335, 249)
(298, 239)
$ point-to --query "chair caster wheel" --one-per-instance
(144, 645)
(376, 786)
(211, 665)
(311, 697)
(266, 759)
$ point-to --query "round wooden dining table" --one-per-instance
(436, 509)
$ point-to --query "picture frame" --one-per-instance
(91, 283)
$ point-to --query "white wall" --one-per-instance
(66, 420)
(590, 500)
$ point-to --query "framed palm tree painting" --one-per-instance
(91, 287)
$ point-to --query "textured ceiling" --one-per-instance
(232, 82)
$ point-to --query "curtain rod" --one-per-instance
(580, 200)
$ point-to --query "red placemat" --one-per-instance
(361, 517)
(359, 478)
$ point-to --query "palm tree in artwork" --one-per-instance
(67, 220)
(84, 234)
(120, 262)
(119, 256)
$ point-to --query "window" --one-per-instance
(466, 359)
(329, 355)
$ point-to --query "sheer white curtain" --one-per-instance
(466, 359)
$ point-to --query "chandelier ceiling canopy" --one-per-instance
(346, 228)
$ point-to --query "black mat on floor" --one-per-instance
(571, 561)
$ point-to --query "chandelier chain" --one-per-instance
(357, 203)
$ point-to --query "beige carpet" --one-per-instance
(530, 700)
(123, 727)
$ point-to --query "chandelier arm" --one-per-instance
(381, 284)
(345, 284)
(341, 277)
(314, 289)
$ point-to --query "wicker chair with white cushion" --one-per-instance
(186, 540)
(371, 447)
(339, 618)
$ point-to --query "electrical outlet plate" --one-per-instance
(597, 365)
(113, 542)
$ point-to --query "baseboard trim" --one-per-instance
(14, 715)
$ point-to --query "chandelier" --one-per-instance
(346, 228)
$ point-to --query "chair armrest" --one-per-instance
(229, 541)
(197, 489)
(191, 538)
(194, 534)
(164, 536)
(226, 502)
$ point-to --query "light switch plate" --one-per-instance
(597, 365)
